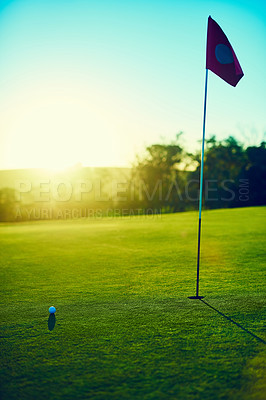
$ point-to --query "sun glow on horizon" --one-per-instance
(55, 129)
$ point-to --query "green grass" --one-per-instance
(124, 326)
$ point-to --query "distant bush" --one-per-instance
(7, 204)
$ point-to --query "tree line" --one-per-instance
(234, 176)
(163, 179)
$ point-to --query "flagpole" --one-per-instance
(231, 72)
(201, 186)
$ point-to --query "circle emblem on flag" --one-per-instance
(224, 54)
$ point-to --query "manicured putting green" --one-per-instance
(124, 327)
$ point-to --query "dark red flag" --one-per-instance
(220, 57)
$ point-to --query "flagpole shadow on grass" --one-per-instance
(231, 320)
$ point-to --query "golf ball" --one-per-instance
(52, 310)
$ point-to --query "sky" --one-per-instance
(95, 81)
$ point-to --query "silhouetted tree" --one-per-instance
(223, 165)
(255, 174)
(159, 182)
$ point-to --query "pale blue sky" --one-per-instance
(95, 81)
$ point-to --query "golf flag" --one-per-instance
(220, 57)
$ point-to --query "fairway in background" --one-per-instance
(124, 327)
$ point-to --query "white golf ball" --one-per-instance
(52, 310)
